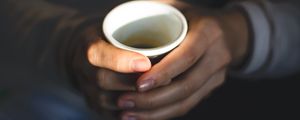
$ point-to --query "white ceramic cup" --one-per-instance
(147, 22)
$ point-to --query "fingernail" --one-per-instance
(127, 104)
(128, 117)
(141, 65)
(146, 85)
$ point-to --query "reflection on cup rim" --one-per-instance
(151, 52)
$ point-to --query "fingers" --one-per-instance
(214, 60)
(107, 100)
(104, 55)
(181, 58)
(110, 80)
(179, 108)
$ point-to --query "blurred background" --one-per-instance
(34, 94)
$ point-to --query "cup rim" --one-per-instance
(149, 52)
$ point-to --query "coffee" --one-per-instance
(146, 41)
(143, 43)
(147, 33)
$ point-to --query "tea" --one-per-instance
(143, 42)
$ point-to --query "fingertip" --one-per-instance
(126, 102)
(152, 79)
(144, 85)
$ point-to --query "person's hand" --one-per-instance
(191, 71)
(102, 70)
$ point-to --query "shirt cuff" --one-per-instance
(260, 30)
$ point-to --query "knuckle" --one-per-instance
(166, 82)
(187, 89)
(226, 58)
(191, 56)
(92, 56)
(97, 56)
(163, 78)
(212, 28)
(214, 24)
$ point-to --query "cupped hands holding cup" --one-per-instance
(196, 52)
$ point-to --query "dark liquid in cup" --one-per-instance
(149, 32)
(143, 42)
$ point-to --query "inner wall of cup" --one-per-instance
(158, 30)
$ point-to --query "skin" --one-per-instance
(187, 74)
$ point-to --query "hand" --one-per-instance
(102, 70)
(190, 72)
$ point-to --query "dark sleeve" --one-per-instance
(44, 34)
(275, 40)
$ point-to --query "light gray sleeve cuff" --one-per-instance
(260, 39)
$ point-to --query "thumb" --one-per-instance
(102, 54)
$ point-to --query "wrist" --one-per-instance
(236, 34)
